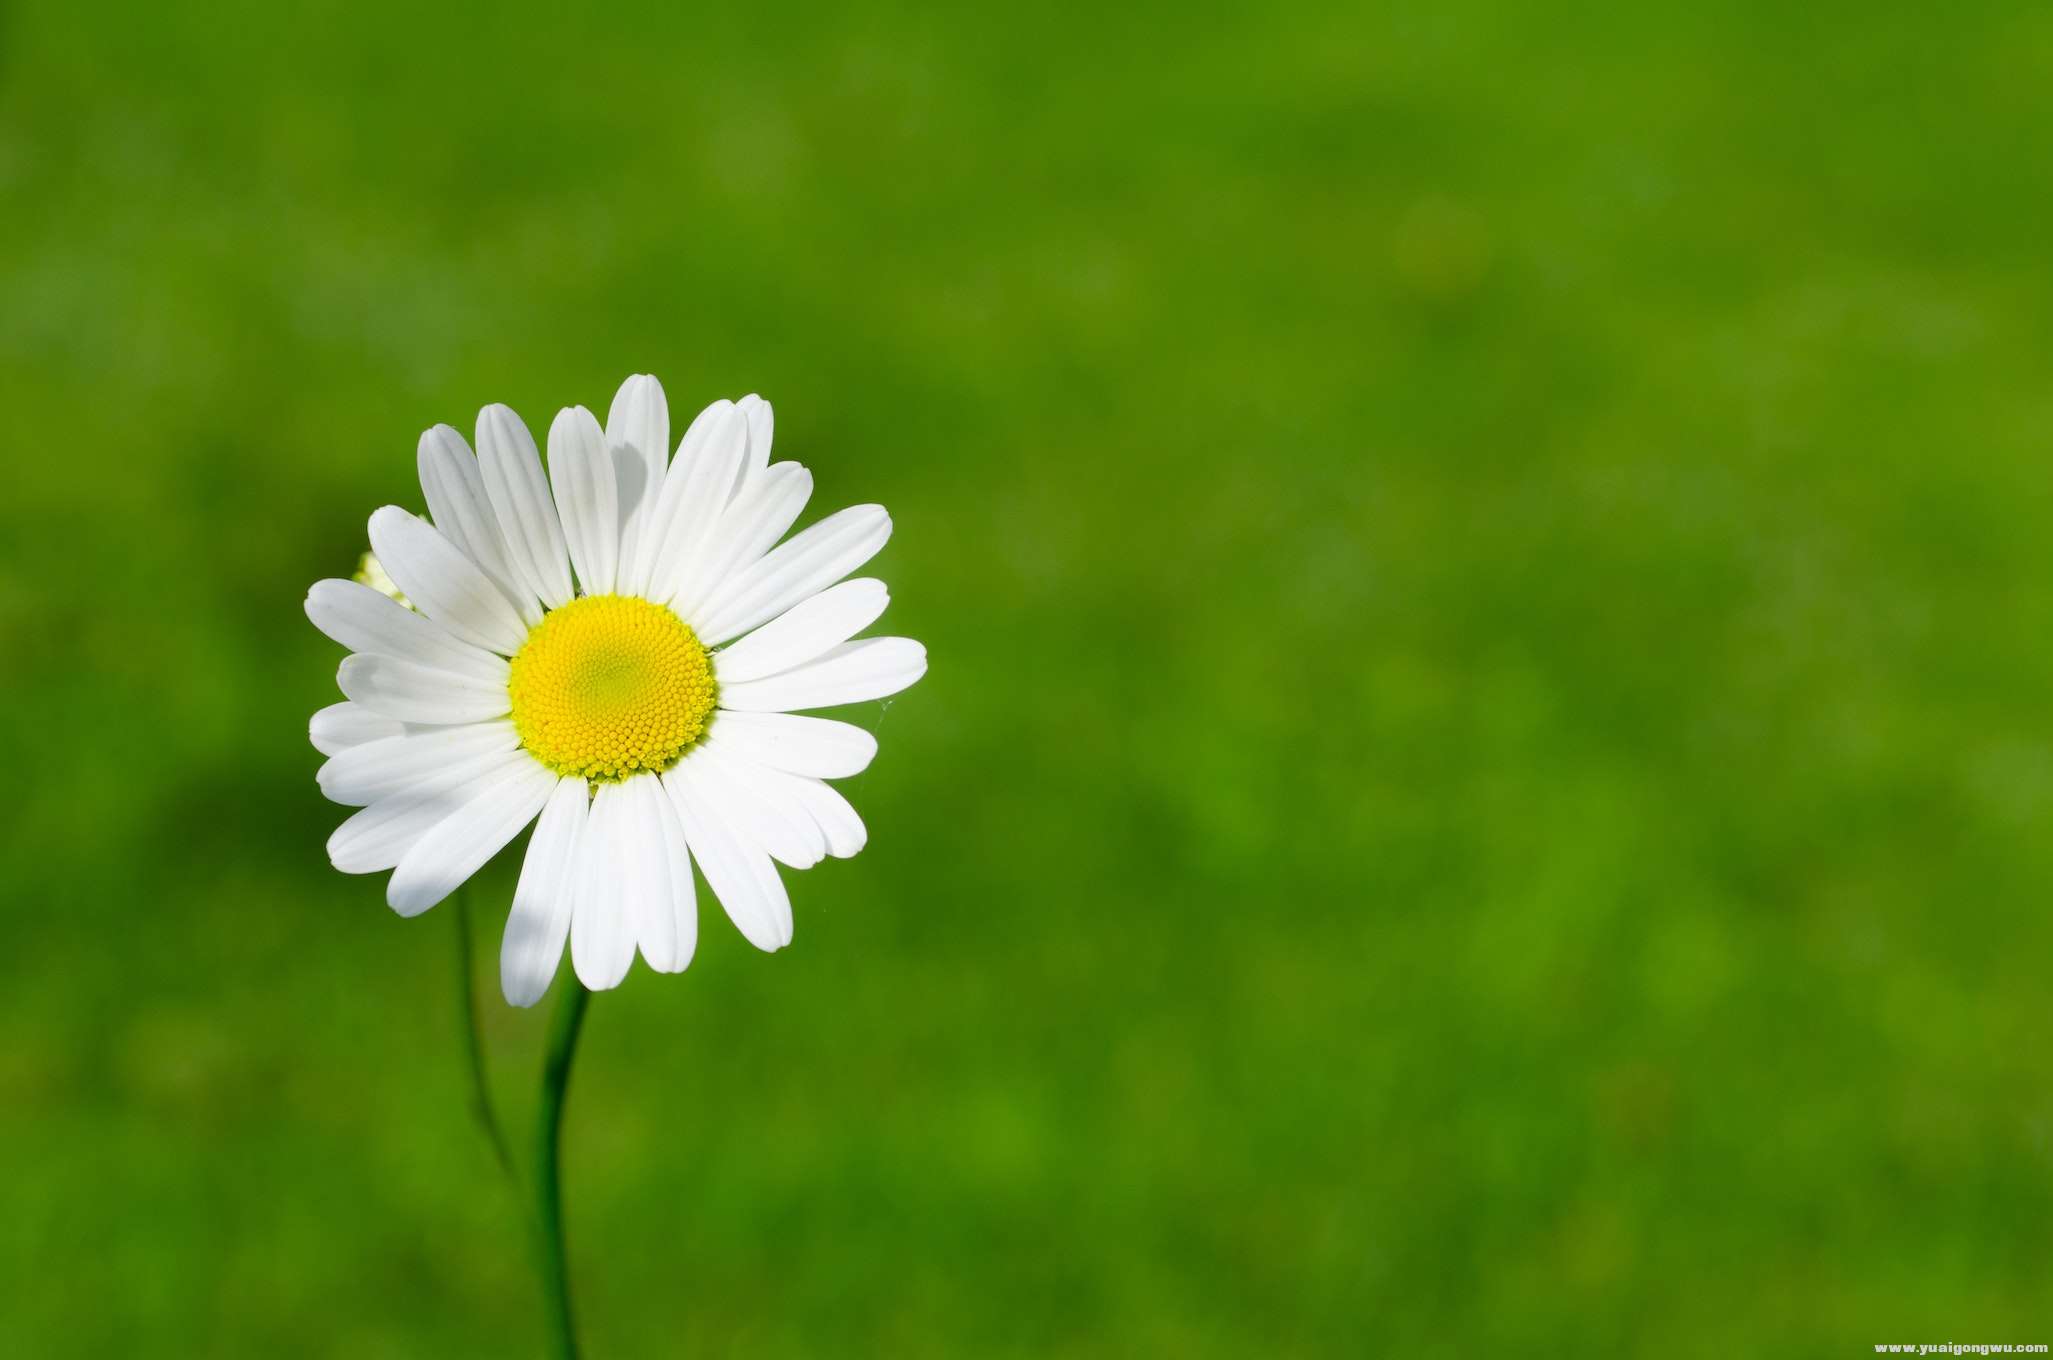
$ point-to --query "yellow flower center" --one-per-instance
(608, 685)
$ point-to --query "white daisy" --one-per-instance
(624, 660)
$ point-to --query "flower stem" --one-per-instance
(563, 1032)
(473, 1042)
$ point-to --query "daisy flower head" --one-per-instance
(617, 651)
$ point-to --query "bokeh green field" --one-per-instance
(1486, 773)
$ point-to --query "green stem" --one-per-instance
(563, 1032)
(473, 1041)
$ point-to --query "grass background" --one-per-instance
(1485, 774)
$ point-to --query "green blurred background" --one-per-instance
(1485, 773)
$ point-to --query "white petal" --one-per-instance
(601, 933)
(540, 919)
(819, 747)
(667, 501)
(844, 831)
(512, 470)
(694, 494)
(418, 694)
(338, 727)
(646, 853)
(867, 669)
(376, 837)
(587, 497)
(365, 620)
(740, 874)
(458, 846)
(444, 584)
(810, 562)
(638, 432)
(803, 632)
(761, 812)
(364, 774)
(761, 425)
(754, 520)
(373, 838)
(457, 502)
(684, 907)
